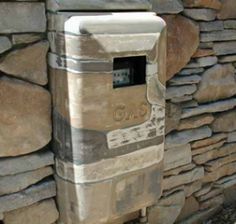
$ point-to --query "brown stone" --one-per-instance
(212, 4)
(212, 193)
(217, 83)
(225, 122)
(176, 171)
(203, 53)
(182, 42)
(173, 114)
(28, 63)
(25, 121)
(216, 201)
(190, 207)
(208, 141)
(195, 122)
(44, 212)
(167, 209)
(191, 188)
(227, 10)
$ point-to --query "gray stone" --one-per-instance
(212, 4)
(25, 122)
(183, 178)
(189, 104)
(215, 201)
(231, 137)
(224, 48)
(15, 165)
(44, 212)
(98, 5)
(219, 106)
(18, 182)
(1, 216)
(28, 197)
(167, 209)
(178, 156)
(185, 80)
(201, 14)
(181, 99)
(228, 58)
(190, 71)
(203, 62)
(225, 122)
(178, 170)
(190, 189)
(184, 137)
(211, 26)
(227, 10)
(30, 18)
(224, 35)
(5, 44)
(206, 45)
(167, 6)
(28, 63)
(173, 114)
(180, 91)
(217, 83)
(26, 38)
(230, 24)
(195, 122)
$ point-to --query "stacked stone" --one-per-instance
(200, 150)
(26, 185)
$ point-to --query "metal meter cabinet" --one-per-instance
(107, 79)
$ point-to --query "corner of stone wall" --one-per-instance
(200, 151)
(27, 188)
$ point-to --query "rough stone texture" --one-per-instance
(25, 121)
(219, 106)
(216, 201)
(231, 137)
(228, 58)
(5, 44)
(178, 170)
(189, 71)
(167, 209)
(212, 4)
(184, 137)
(173, 114)
(177, 157)
(28, 197)
(191, 206)
(28, 63)
(191, 188)
(224, 48)
(225, 122)
(224, 35)
(26, 38)
(227, 10)
(184, 178)
(195, 122)
(201, 14)
(30, 18)
(211, 26)
(167, 6)
(230, 24)
(182, 42)
(180, 91)
(18, 182)
(185, 80)
(208, 141)
(203, 62)
(217, 83)
(21, 164)
(203, 53)
(44, 212)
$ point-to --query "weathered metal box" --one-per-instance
(107, 79)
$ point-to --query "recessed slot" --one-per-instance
(129, 71)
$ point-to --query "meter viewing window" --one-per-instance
(129, 71)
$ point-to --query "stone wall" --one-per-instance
(200, 154)
(26, 184)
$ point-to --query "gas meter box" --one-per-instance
(107, 79)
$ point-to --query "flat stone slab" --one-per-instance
(225, 48)
(21, 164)
(200, 14)
(28, 197)
(18, 182)
(5, 44)
(20, 17)
(167, 6)
(96, 5)
(44, 212)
